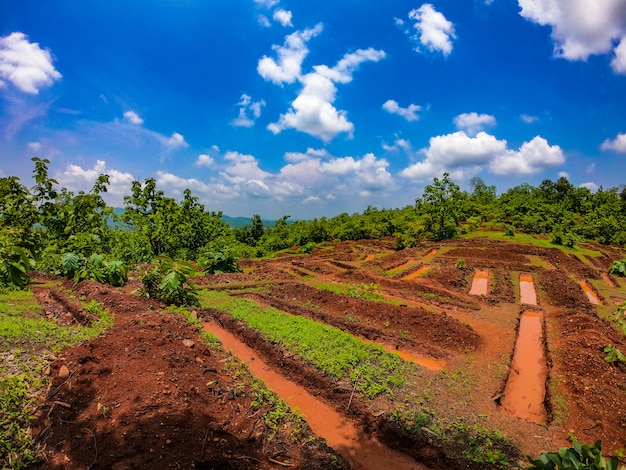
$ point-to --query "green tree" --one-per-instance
(440, 202)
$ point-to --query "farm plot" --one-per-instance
(151, 392)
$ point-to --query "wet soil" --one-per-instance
(160, 413)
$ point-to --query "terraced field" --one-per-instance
(470, 353)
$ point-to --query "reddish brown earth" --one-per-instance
(160, 413)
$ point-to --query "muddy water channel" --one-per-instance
(525, 391)
(343, 435)
(589, 292)
(417, 273)
(528, 294)
(480, 284)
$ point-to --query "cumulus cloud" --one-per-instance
(432, 30)
(581, 28)
(398, 144)
(472, 123)
(616, 145)
(409, 113)
(593, 187)
(133, 117)
(75, 178)
(246, 106)
(462, 155)
(312, 111)
(283, 17)
(24, 64)
(368, 174)
(176, 140)
(205, 160)
(244, 166)
(531, 158)
(287, 67)
(619, 61)
(34, 146)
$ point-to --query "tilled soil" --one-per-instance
(138, 396)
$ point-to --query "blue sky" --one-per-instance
(308, 109)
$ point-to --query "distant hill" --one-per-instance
(234, 222)
(238, 222)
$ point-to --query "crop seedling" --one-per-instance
(613, 354)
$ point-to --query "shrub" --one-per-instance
(618, 267)
(578, 457)
(169, 281)
(219, 261)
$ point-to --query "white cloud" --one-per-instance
(263, 21)
(528, 119)
(176, 140)
(581, 28)
(205, 160)
(462, 155)
(409, 113)
(593, 187)
(531, 158)
(296, 157)
(266, 3)
(617, 145)
(34, 146)
(472, 123)
(283, 17)
(312, 111)
(244, 166)
(24, 64)
(246, 105)
(434, 31)
(170, 180)
(133, 117)
(367, 174)
(75, 178)
(290, 56)
(619, 61)
(398, 144)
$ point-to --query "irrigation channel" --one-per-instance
(525, 390)
(340, 433)
(589, 292)
(480, 283)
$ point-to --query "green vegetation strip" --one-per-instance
(26, 344)
(373, 370)
(527, 239)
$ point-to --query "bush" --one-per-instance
(618, 267)
(96, 268)
(579, 457)
(169, 281)
(219, 261)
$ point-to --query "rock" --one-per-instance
(64, 372)
(188, 343)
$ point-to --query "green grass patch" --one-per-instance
(26, 343)
(371, 369)
(469, 441)
(369, 292)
